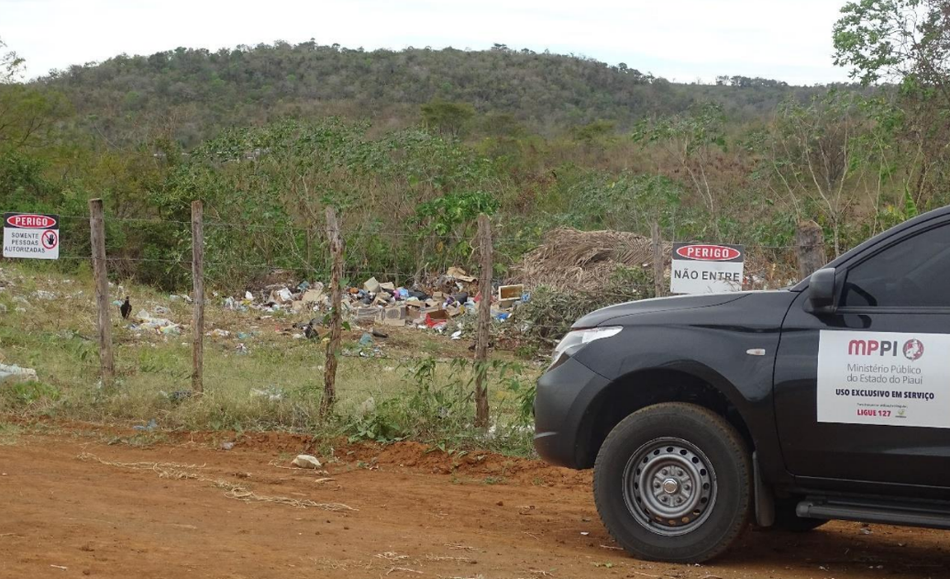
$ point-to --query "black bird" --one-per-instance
(311, 332)
(126, 308)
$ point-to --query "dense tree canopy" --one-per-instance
(410, 146)
(199, 92)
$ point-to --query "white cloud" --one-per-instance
(682, 39)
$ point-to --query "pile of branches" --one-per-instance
(583, 261)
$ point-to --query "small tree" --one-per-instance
(449, 119)
(812, 152)
(692, 139)
(907, 43)
(11, 65)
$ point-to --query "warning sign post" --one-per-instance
(702, 268)
(30, 236)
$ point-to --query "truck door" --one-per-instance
(863, 394)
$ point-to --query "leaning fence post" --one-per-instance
(198, 315)
(484, 322)
(810, 246)
(657, 260)
(336, 314)
(97, 234)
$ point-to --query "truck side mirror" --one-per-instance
(821, 292)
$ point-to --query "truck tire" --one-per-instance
(697, 471)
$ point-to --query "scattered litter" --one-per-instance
(13, 374)
(177, 395)
(366, 339)
(272, 393)
(459, 274)
(306, 461)
(171, 330)
(457, 335)
(227, 445)
(218, 333)
(233, 304)
(162, 311)
(158, 325)
(241, 349)
(152, 425)
(282, 295)
(367, 407)
(43, 295)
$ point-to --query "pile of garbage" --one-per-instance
(451, 295)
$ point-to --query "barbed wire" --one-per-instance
(319, 232)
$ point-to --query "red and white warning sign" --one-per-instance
(30, 236)
(703, 268)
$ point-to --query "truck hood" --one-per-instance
(611, 313)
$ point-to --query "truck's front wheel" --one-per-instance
(672, 483)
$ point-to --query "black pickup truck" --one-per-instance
(827, 400)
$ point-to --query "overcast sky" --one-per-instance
(683, 40)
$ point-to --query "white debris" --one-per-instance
(306, 461)
(14, 373)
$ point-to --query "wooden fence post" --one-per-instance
(97, 233)
(484, 322)
(336, 313)
(197, 276)
(658, 265)
(810, 246)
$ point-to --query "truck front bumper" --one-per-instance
(564, 395)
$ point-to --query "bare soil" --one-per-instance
(73, 505)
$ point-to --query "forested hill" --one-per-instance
(195, 93)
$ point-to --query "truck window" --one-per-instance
(913, 273)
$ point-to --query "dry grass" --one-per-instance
(582, 261)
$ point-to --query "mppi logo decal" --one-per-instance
(913, 349)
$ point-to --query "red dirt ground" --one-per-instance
(72, 505)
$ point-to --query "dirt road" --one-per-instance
(72, 506)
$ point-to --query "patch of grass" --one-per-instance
(9, 434)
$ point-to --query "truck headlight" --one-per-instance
(576, 339)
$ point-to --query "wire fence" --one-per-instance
(311, 263)
(159, 251)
